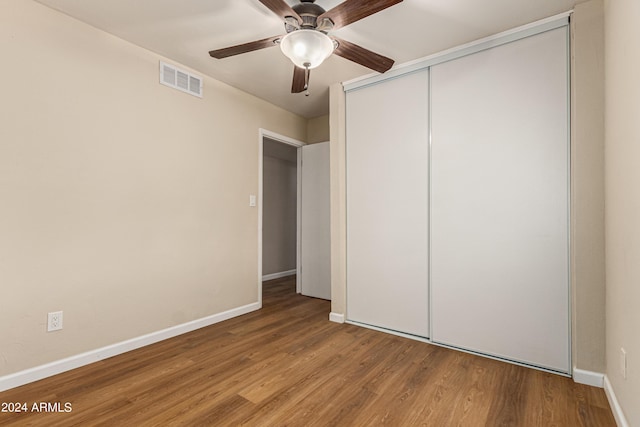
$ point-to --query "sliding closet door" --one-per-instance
(500, 180)
(387, 204)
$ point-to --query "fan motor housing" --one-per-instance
(309, 13)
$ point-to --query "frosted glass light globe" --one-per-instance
(307, 48)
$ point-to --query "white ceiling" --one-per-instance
(186, 30)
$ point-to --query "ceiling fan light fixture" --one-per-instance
(307, 48)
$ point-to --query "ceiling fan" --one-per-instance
(306, 41)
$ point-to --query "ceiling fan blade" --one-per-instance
(244, 48)
(362, 56)
(281, 8)
(299, 81)
(351, 11)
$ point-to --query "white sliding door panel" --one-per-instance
(315, 239)
(500, 197)
(387, 205)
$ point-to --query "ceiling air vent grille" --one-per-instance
(180, 79)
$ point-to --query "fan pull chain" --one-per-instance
(306, 78)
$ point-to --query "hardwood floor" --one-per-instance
(288, 365)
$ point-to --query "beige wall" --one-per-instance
(318, 129)
(587, 192)
(124, 203)
(622, 197)
(279, 208)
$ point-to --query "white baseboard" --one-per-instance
(621, 420)
(336, 317)
(278, 275)
(595, 379)
(43, 371)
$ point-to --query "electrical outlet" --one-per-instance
(54, 321)
(623, 363)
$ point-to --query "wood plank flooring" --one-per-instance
(288, 365)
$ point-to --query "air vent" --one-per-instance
(180, 79)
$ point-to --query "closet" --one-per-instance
(458, 198)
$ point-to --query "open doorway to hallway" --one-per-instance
(294, 213)
(279, 209)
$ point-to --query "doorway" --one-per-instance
(293, 228)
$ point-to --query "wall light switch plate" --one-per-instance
(623, 363)
(252, 200)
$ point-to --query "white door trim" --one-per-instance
(264, 133)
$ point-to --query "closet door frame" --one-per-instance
(554, 22)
